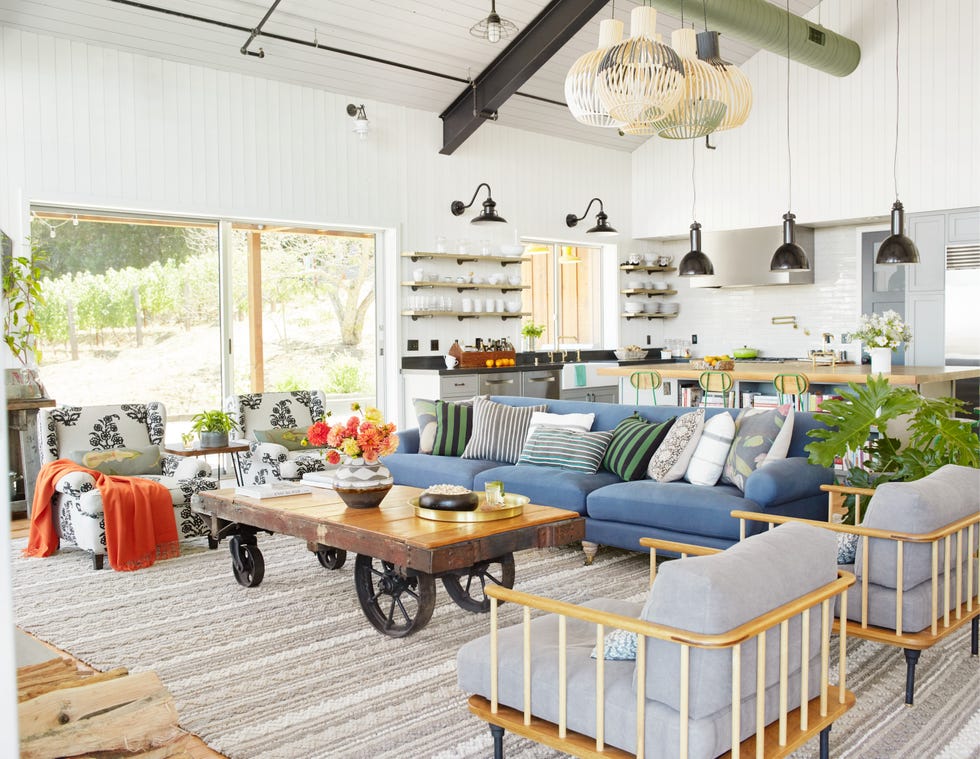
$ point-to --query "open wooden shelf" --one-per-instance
(649, 316)
(646, 291)
(461, 258)
(461, 286)
(414, 315)
(644, 267)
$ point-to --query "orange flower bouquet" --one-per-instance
(366, 436)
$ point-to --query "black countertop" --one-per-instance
(525, 363)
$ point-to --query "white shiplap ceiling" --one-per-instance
(428, 34)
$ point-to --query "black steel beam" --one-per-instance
(532, 48)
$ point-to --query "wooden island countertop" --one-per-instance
(764, 371)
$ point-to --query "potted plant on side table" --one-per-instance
(213, 427)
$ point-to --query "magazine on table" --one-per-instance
(272, 490)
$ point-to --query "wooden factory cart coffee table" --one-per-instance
(399, 554)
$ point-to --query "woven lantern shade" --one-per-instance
(702, 105)
(640, 79)
(580, 82)
(739, 91)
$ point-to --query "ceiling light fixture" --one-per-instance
(493, 28)
(738, 90)
(897, 248)
(602, 225)
(489, 212)
(640, 79)
(361, 124)
(580, 81)
(789, 256)
(695, 263)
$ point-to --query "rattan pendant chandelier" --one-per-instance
(580, 82)
(640, 79)
(701, 107)
(737, 93)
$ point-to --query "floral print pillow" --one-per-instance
(755, 432)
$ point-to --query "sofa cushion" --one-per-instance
(709, 457)
(632, 446)
(418, 471)
(675, 506)
(714, 594)
(290, 438)
(565, 449)
(670, 460)
(948, 494)
(547, 486)
(499, 430)
(125, 462)
(454, 425)
(756, 430)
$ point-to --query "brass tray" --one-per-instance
(513, 506)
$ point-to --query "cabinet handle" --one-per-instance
(459, 384)
(500, 382)
(540, 379)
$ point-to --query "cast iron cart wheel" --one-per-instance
(330, 557)
(247, 563)
(467, 586)
(212, 542)
(397, 605)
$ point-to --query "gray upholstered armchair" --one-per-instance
(133, 434)
(273, 424)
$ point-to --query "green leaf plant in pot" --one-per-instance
(862, 428)
(22, 280)
(532, 332)
(213, 427)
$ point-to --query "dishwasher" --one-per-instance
(541, 383)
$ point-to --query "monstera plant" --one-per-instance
(859, 424)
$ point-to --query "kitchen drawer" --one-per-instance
(457, 386)
(499, 383)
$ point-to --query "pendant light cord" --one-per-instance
(789, 148)
(898, 30)
(704, 7)
(694, 184)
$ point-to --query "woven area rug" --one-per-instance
(292, 670)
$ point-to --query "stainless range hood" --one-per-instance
(741, 258)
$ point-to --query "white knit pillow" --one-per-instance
(709, 457)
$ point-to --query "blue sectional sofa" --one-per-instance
(619, 513)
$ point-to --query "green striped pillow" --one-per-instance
(633, 444)
(566, 449)
(454, 425)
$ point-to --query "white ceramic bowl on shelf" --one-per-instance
(512, 250)
(633, 307)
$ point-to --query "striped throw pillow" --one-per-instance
(454, 425)
(633, 444)
(709, 457)
(566, 449)
(499, 431)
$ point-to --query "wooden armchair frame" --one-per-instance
(790, 731)
(966, 532)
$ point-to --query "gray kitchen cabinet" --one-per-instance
(963, 227)
(456, 387)
(600, 394)
(929, 233)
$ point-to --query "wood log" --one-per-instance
(78, 679)
(126, 713)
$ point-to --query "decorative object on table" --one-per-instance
(212, 427)
(935, 436)
(713, 363)
(882, 334)
(360, 480)
(187, 439)
(897, 248)
(531, 333)
(22, 278)
(493, 28)
(449, 498)
(789, 256)
(602, 224)
(489, 212)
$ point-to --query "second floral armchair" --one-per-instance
(273, 424)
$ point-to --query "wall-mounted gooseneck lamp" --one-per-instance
(489, 212)
(602, 224)
(361, 124)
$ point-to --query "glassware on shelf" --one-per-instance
(440, 244)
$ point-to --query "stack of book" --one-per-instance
(272, 490)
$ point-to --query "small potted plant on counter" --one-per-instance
(531, 333)
(213, 427)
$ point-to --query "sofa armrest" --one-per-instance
(74, 483)
(189, 468)
(274, 451)
(785, 480)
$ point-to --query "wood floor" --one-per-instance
(193, 746)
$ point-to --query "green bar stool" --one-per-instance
(715, 382)
(646, 380)
(793, 385)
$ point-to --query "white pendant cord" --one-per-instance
(898, 30)
(694, 184)
(789, 148)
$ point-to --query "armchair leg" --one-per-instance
(498, 741)
(97, 560)
(975, 636)
(911, 659)
(590, 549)
(825, 743)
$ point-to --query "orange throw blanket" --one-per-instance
(139, 517)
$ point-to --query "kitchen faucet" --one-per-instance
(564, 353)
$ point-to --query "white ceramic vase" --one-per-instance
(881, 360)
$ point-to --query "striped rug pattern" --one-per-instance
(292, 669)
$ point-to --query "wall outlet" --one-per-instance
(413, 345)
(694, 339)
(648, 339)
(433, 345)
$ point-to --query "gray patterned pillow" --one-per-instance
(670, 460)
(499, 430)
(755, 432)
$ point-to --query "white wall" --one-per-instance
(842, 131)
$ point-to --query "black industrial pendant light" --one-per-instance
(695, 263)
(489, 212)
(602, 221)
(897, 248)
(789, 256)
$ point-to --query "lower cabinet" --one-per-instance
(602, 394)
(457, 387)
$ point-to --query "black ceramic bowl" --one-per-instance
(445, 502)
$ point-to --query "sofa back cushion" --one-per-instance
(264, 411)
(714, 594)
(67, 429)
(945, 496)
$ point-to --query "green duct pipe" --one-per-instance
(763, 25)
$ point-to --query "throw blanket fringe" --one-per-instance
(139, 517)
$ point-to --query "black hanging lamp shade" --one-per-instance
(789, 256)
(897, 248)
(489, 212)
(695, 263)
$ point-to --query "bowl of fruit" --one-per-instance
(713, 363)
(630, 353)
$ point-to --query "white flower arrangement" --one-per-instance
(885, 330)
